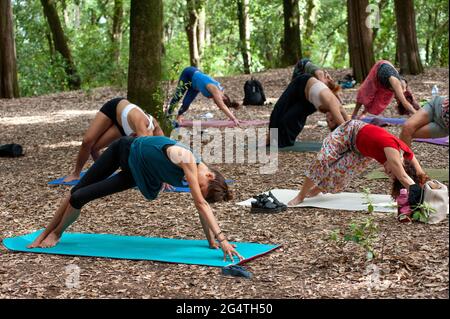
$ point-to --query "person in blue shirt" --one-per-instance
(192, 81)
(151, 163)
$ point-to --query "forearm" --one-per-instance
(356, 110)
(227, 111)
(207, 217)
(208, 233)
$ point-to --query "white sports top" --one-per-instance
(314, 93)
(124, 117)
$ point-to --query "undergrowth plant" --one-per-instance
(361, 232)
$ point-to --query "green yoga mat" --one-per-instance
(303, 146)
(441, 174)
(183, 251)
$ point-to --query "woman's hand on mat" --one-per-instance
(71, 177)
(229, 251)
(236, 122)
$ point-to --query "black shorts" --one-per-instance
(110, 108)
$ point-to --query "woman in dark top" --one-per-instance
(149, 163)
(303, 96)
(379, 88)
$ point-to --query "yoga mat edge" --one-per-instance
(254, 250)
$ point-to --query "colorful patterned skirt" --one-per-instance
(339, 160)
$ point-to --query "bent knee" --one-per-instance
(88, 142)
(76, 200)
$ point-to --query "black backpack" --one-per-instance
(253, 93)
(10, 150)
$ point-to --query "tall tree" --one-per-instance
(360, 39)
(9, 87)
(291, 41)
(407, 47)
(116, 33)
(60, 42)
(244, 33)
(195, 24)
(201, 30)
(144, 66)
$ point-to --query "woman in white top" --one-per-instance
(117, 117)
(303, 96)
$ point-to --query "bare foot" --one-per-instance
(71, 177)
(50, 241)
(295, 201)
(37, 242)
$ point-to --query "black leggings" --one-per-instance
(291, 111)
(96, 183)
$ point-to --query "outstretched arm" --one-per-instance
(190, 170)
(356, 110)
(331, 104)
(396, 167)
(217, 97)
(398, 89)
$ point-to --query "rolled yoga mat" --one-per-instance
(181, 251)
(441, 174)
(224, 123)
(388, 120)
(302, 146)
(437, 141)
(176, 189)
(339, 201)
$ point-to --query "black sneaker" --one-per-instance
(277, 202)
(264, 205)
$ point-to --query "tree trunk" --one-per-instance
(9, 87)
(116, 34)
(59, 39)
(244, 33)
(291, 40)
(360, 39)
(201, 30)
(191, 30)
(144, 68)
(309, 27)
(408, 48)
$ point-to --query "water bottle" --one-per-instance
(403, 209)
(434, 91)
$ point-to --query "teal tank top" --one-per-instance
(151, 167)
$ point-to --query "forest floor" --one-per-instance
(414, 262)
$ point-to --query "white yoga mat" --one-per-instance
(339, 201)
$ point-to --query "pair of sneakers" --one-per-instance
(267, 204)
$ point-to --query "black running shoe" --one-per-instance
(264, 205)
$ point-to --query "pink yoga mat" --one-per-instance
(224, 123)
(437, 141)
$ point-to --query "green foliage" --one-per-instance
(363, 232)
(88, 25)
(422, 212)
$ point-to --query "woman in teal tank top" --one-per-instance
(151, 163)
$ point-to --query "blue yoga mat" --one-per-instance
(182, 251)
(389, 120)
(176, 189)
